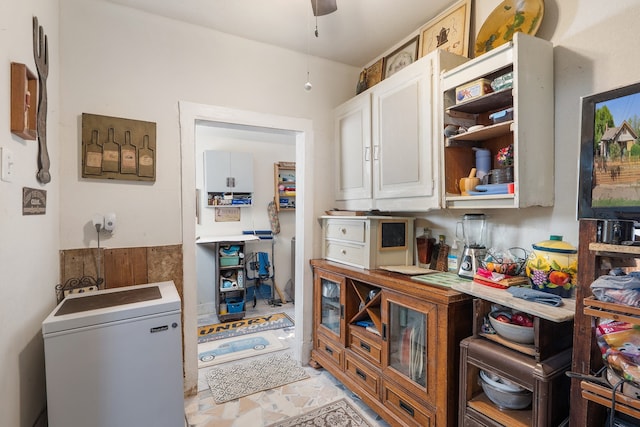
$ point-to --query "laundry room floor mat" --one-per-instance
(242, 327)
(226, 350)
(249, 377)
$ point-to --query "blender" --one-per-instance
(473, 233)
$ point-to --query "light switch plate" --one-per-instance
(6, 164)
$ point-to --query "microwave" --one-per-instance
(368, 241)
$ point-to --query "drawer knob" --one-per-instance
(343, 251)
(343, 230)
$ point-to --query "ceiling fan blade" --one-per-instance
(323, 7)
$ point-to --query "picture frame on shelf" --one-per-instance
(401, 57)
(449, 31)
(374, 73)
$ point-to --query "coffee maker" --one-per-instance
(473, 234)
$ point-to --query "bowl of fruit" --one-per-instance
(516, 326)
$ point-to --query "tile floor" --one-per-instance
(264, 408)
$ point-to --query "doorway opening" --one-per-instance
(300, 130)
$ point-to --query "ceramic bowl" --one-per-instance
(504, 399)
(516, 333)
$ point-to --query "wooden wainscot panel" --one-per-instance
(77, 263)
(125, 267)
(165, 263)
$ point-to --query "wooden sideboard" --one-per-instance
(393, 341)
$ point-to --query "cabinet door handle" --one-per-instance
(376, 150)
(361, 374)
(408, 409)
(367, 154)
(328, 350)
(365, 347)
(342, 311)
(384, 331)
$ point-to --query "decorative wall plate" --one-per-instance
(508, 18)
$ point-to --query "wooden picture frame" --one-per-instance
(374, 73)
(448, 31)
(401, 57)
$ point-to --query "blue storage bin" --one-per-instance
(234, 306)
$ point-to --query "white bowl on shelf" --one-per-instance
(505, 399)
(516, 333)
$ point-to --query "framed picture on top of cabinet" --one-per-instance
(374, 73)
(448, 31)
(401, 57)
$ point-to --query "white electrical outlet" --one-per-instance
(7, 164)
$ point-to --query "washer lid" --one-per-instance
(110, 305)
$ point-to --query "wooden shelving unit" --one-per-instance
(589, 401)
(24, 99)
(284, 174)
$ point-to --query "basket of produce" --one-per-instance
(510, 262)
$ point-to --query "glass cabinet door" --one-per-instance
(330, 305)
(329, 290)
(407, 346)
(409, 331)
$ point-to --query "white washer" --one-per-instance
(113, 358)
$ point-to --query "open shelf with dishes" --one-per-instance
(490, 106)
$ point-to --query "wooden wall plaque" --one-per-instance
(117, 148)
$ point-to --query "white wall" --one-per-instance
(125, 63)
(28, 244)
(267, 148)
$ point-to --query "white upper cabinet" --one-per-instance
(387, 140)
(353, 149)
(228, 177)
(528, 126)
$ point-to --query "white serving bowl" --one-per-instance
(506, 399)
(517, 333)
(500, 383)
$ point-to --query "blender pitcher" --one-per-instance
(473, 235)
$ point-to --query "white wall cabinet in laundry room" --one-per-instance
(228, 178)
(386, 140)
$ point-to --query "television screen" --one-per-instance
(609, 186)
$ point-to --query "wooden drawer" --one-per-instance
(344, 252)
(331, 350)
(406, 408)
(367, 347)
(351, 231)
(362, 374)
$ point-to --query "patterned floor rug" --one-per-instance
(249, 325)
(338, 413)
(233, 382)
(221, 351)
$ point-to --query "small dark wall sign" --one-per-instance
(34, 201)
